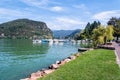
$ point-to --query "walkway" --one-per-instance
(117, 52)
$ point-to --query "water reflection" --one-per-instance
(22, 47)
(19, 58)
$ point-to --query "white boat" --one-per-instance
(50, 41)
(73, 41)
(78, 41)
(56, 41)
(45, 40)
(61, 40)
(36, 41)
(61, 43)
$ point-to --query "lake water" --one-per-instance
(20, 58)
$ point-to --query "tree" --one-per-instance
(87, 30)
(116, 26)
(90, 27)
(80, 36)
(98, 35)
(101, 35)
(109, 32)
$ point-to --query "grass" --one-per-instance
(93, 65)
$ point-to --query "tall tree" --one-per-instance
(87, 30)
(90, 27)
(116, 26)
(80, 36)
(98, 35)
(109, 32)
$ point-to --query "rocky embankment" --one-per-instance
(51, 68)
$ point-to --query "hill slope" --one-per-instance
(72, 35)
(61, 33)
(24, 28)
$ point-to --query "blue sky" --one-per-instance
(60, 14)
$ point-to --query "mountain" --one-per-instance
(75, 32)
(61, 33)
(25, 28)
(65, 33)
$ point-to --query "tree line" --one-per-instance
(99, 33)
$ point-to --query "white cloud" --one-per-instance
(83, 8)
(69, 21)
(80, 6)
(36, 3)
(63, 23)
(58, 23)
(44, 4)
(10, 14)
(106, 15)
(56, 8)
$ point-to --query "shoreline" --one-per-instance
(53, 67)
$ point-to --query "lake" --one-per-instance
(20, 58)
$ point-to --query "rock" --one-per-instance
(57, 62)
(54, 66)
(62, 63)
(77, 55)
(72, 57)
(39, 73)
(49, 71)
(67, 60)
(34, 76)
(42, 73)
(25, 79)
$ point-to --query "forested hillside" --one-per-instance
(24, 28)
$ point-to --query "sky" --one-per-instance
(60, 14)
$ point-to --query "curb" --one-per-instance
(117, 58)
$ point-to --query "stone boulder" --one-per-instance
(49, 71)
(34, 76)
(25, 79)
(57, 62)
(62, 62)
(77, 55)
(67, 60)
(54, 66)
(72, 57)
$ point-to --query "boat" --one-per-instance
(36, 41)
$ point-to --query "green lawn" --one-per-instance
(93, 65)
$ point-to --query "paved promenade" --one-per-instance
(117, 52)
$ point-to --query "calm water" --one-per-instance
(19, 58)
